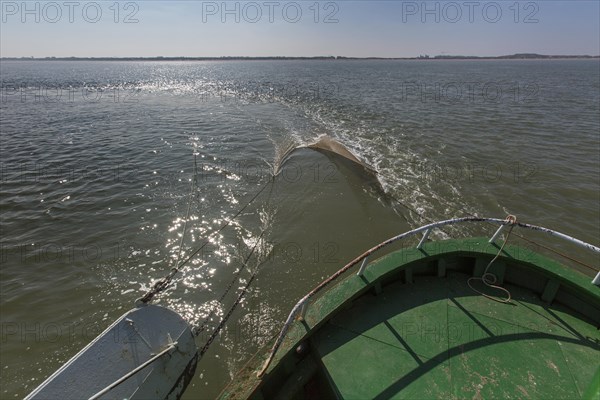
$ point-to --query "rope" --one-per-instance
(490, 279)
(557, 252)
(217, 330)
(200, 329)
(161, 284)
(187, 214)
(226, 224)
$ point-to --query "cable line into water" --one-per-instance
(162, 284)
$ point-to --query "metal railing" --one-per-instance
(134, 371)
(301, 306)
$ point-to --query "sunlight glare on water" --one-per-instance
(94, 194)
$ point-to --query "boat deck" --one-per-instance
(437, 338)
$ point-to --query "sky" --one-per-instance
(396, 28)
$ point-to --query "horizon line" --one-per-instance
(330, 57)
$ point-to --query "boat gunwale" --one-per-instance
(393, 264)
(301, 306)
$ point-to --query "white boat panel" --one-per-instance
(130, 341)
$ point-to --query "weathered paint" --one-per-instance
(567, 340)
(127, 343)
(426, 228)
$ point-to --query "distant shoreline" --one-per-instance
(522, 56)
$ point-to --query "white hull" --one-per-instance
(132, 340)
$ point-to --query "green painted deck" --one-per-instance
(410, 327)
(436, 338)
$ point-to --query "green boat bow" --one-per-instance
(414, 324)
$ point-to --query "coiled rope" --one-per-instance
(490, 279)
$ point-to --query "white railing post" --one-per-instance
(363, 266)
(498, 232)
(596, 280)
(424, 238)
(303, 310)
